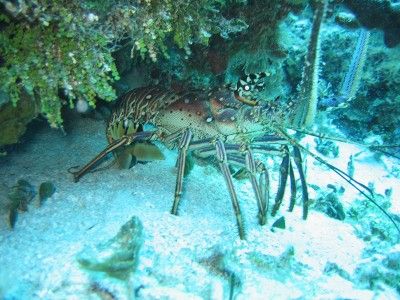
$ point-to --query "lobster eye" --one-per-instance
(246, 88)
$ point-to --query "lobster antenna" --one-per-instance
(379, 148)
(90, 165)
(354, 183)
(352, 79)
(308, 96)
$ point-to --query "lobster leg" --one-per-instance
(299, 164)
(260, 195)
(220, 152)
(223, 164)
(264, 185)
(283, 176)
(245, 160)
(293, 188)
(261, 188)
(183, 148)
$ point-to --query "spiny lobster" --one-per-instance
(226, 125)
(213, 124)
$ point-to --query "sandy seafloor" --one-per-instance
(38, 257)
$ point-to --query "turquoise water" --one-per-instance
(286, 149)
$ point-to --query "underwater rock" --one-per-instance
(19, 197)
(277, 267)
(392, 261)
(332, 268)
(225, 265)
(330, 205)
(21, 194)
(280, 223)
(380, 269)
(327, 148)
(82, 106)
(102, 292)
(119, 256)
(347, 20)
(14, 119)
(46, 190)
(369, 223)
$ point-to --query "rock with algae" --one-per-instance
(46, 190)
(14, 119)
(19, 196)
(117, 257)
(281, 268)
(329, 203)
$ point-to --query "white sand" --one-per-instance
(37, 258)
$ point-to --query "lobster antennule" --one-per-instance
(90, 165)
(123, 141)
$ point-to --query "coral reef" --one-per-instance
(53, 52)
(377, 95)
(152, 27)
(251, 44)
(382, 14)
(378, 98)
(60, 52)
